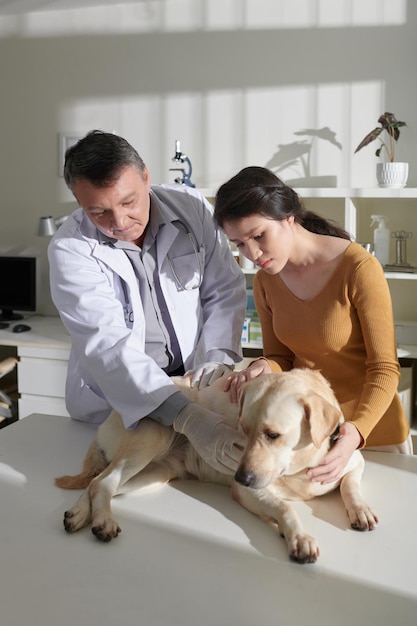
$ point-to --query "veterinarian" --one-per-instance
(324, 304)
(147, 288)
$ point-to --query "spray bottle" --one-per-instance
(381, 238)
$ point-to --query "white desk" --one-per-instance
(190, 556)
(46, 332)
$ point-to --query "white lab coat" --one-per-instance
(96, 293)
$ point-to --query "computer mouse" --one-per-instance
(21, 328)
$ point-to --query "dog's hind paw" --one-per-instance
(74, 519)
(79, 515)
(303, 549)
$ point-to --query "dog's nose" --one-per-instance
(244, 478)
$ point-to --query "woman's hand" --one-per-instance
(335, 461)
(255, 369)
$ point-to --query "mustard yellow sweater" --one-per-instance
(347, 332)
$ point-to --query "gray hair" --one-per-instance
(99, 158)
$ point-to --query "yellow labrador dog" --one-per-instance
(289, 420)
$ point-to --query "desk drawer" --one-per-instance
(42, 377)
(41, 404)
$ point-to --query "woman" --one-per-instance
(323, 303)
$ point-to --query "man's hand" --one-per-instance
(218, 444)
(255, 369)
(205, 374)
(335, 461)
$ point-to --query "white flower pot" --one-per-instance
(393, 175)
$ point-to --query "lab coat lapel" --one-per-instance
(115, 259)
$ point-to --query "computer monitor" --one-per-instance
(17, 287)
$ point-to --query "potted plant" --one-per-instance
(390, 173)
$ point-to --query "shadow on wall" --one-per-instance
(298, 153)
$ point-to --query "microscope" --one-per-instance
(182, 158)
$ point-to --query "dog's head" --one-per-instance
(288, 419)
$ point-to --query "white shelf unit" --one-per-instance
(352, 208)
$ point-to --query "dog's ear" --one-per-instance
(251, 391)
(322, 416)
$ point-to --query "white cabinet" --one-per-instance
(41, 375)
(43, 354)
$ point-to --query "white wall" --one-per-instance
(235, 80)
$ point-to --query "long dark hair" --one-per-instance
(99, 157)
(258, 191)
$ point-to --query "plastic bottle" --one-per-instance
(381, 238)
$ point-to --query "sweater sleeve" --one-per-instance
(371, 299)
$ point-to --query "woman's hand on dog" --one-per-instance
(255, 369)
(333, 464)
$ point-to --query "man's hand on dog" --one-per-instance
(218, 444)
(207, 373)
(333, 464)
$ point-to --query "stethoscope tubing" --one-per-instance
(180, 285)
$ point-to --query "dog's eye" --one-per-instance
(269, 434)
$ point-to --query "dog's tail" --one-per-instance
(94, 463)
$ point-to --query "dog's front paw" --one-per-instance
(105, 529)
(303, 548)
(362, 518)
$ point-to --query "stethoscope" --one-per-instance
(127, 309)
(178, 281)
